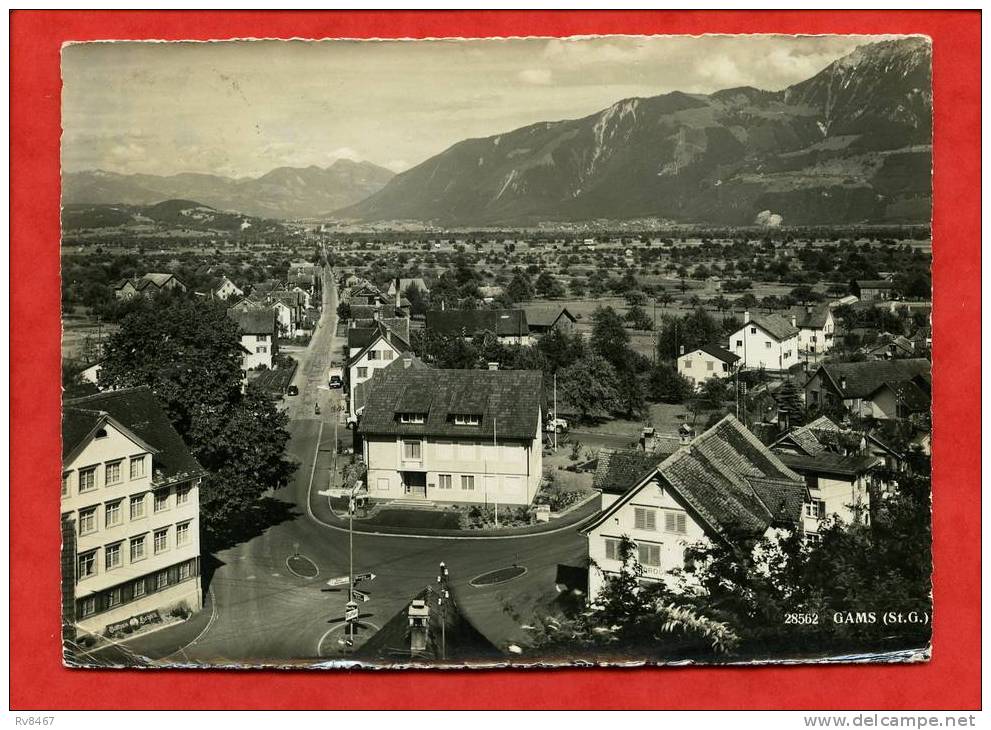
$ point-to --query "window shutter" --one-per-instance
(651, 519)
(669, 522)
(639, 519)
(643, 554)
(681, 523)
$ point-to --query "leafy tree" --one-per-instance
(520, 289)
(609, 337)
(666, 385)
(709, 397)
(343, 311)
(549, 287)
(635, 298)
(638, 319)
(590, 385)
(189, 354)
(418, 301)
(561, 349)
(577, 287)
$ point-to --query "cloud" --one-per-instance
(536, 76)
(344, 153)
(397, 165)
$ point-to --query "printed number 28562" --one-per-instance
(802, 618)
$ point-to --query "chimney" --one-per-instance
(407, 361)
(398, 295)
(681, 350)
(376, 314)
(493, 366)
(419, 614)
(746, 316)
(794, 321)
(442, 305)
(843, 383)
(686, 433)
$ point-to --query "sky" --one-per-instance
(242, 108)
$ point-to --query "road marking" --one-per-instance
(316, 454)
(300, 575)
(338, 627)
(213, 617)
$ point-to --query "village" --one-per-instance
(479, 462)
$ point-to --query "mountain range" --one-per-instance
(285, 192)
(851, 144)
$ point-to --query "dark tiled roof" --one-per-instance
(828, 462)
(253, 321)
(365, 387)
(863, 378)
(468, 322)
(545, 315)
(810, 317)
(875, 284)
(775, 325)
(379, 331)
(138, 410)
(361, 337)
(508, 402)
(617, 471)
(719, 353)
(912, 396)
(734, 483)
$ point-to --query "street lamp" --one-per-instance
(442, 601)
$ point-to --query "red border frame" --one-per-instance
(37, 679)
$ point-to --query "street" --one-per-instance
(260, 612)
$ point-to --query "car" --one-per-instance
(556, 424)
(292, 390)
(336, 382)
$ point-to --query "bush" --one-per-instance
(181, 611)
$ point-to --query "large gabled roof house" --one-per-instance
(766, 341)
(543, 318)
(816, 328)
(370, 350)
(725, 485)
(130, 498)
(148, 285)
(883, 389)
(259, 336)
(707, 361)
(400, 285)
(466, 436)
(508, 325)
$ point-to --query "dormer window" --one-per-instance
(412, 417)
(467, 419)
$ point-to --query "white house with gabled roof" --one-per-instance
(766, 341)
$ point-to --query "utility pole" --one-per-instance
(555, 413)
(443, 599)
(495, 444)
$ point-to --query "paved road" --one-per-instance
(261, 612)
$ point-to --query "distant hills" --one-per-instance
(286, 192)
(851, 144)
(169, 214)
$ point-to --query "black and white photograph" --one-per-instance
(509, 352)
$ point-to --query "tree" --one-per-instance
(343, 311)
(577, 287)
(638, 319)
(709, 397)
(189, 353)
(590, 386)
(629, 618)
(418, 301)
(609, 337)
(519, 288)
(666, 385)
(549, 287)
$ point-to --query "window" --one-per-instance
(675, 522)
(184, 571)
(87, 520)
(87, 479)
(373, 354)
(739, 343)
(137, 467)
(112, 557)
(261, 338)
(87, 606)
(412, 417)
(112, 474)
(467, 482)
(65, 484)
(444, 481)
(182, 495)
(688, 364)
(137, 548)
(161, 540)
(182, 534)
(261, 349)
(161, 500)
(162, 580)
(362, 372)
(112, 515)
(753, 330)
(815, 509)
(411, 450)
(387, 354)
(137, 507)
(612, 549)
(138, 588)
(709, 365)
(467, 420)
(101, 433)
(644, 519)
(813, 538)
(87, 564)
(814, 395)
(767, 345)
(649, 553)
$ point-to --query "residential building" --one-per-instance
(766, 341)
(816, 328)
(543, 318)
(258, 336)
(131, 489)
(361, 391)
(874, 290)
(508, 325)
(381, 347)
(304, 275)
(399, 286)
(148, 285)
(892, 348)
(723, 486)
(884, 389)
(707, 361)
(226, 289)
(454, 435)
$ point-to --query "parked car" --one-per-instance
(336, 382)
(292, 390)
(556, 424)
